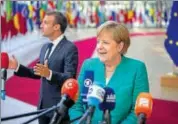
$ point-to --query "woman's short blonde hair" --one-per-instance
(119, 31)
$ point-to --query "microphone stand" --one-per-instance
(75, 119)
(106, 117)
(42, 113)
(3, 79)
(87, 116)
(54, 119)
(141, 119)
(22, 115)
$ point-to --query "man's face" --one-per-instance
(48, 26)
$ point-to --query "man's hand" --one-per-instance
(13, 63)
(42, 70)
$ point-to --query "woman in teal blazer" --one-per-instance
(126, 76)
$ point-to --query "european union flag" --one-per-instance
(171, 42)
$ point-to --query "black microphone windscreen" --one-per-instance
(109, 100)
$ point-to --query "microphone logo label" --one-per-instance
(143, 102)
(100, 93)
(90, 90)
(87, 82)
(68, 85)
(96, 92)
(111, 98)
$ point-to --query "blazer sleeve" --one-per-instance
(141, 85)
(70, 66)
(78, 109)
(26, 72)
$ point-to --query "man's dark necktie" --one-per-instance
(48, 51)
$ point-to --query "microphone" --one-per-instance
(69, 94)
(88, 81)
(107, 105)
(4, 67)
(94, 97)
(143, 107)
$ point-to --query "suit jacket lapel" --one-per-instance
(100, 73)
(56, 50)
(43, 54)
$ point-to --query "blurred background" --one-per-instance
(150, 27)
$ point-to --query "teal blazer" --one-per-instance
(128, 80)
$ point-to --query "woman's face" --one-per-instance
(107, 49)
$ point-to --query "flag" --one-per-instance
(130, 15)
(8, 16)
(59, 4)
(152, 14)
(16, 21)
(51, 5)
(23, 15)
(8, 10)
(171, 41)
(37, 14)
(10, 23)
(43, 10)
(30, 16)
(4, 30)
(140, 18)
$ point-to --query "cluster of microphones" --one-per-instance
(93, 94)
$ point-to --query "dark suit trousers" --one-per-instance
(44, 120)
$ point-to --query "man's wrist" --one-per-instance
(17, 68)
(50, 75)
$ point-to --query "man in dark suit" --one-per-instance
(58, 62)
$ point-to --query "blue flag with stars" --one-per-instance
(171, 42)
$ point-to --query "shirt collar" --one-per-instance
(57, 40)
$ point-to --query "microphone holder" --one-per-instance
(42, 113)
(22, 115)
(141, 118)
(107, 117)
(87, 116)
(75, 119)
(59, 112)
(3, 79)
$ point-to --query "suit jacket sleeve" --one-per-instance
(70, 66)
(141, 85)
(26, 72)
(78, 109)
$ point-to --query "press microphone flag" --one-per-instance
(108, 105)
(87, 81)
(4, 67)
(143, 107)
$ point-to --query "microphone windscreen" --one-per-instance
(87, 81)
(69, 103)
(109, 100)
(95, 95)
(144, 104)
(4, 60)
(71, 88)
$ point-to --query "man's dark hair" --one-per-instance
(59, 19)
